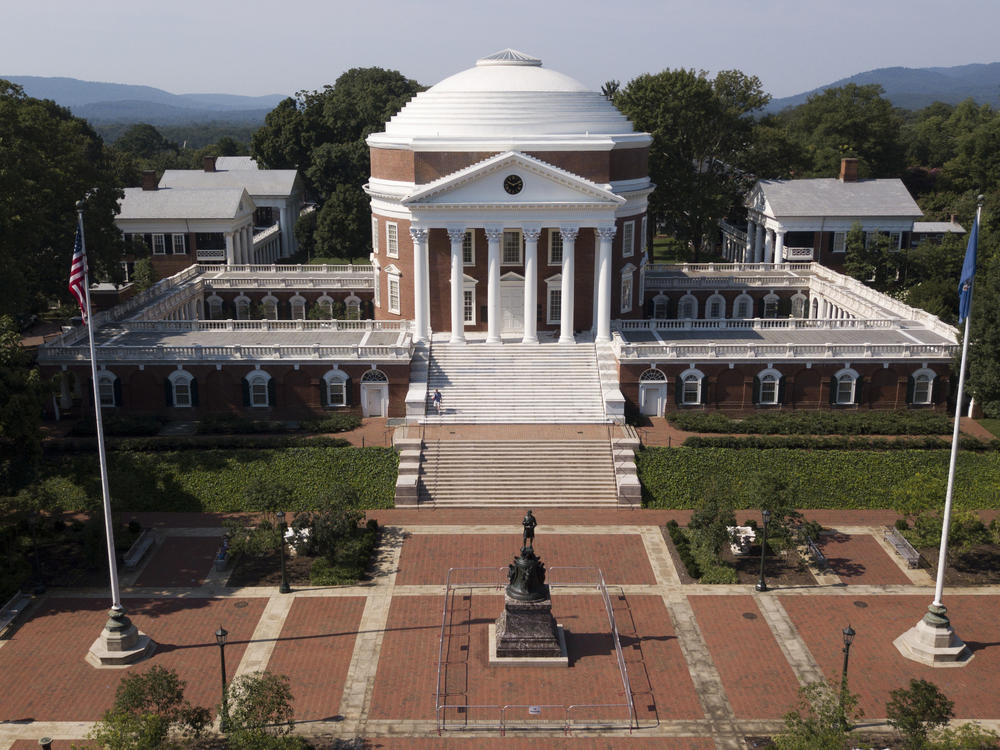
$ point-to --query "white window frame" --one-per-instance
(738, 303)
(269, 306)
(255, 380)
(658, 300)
(469, 305)
(695, 376)
(333, 379)
(392, 292)
(553, 293)
(159, 244)
(839, 244)
(180, 383)
(106, 380)
(555, 247)
(375, 235)
(924, 372)
(895, 240)
(800, 305)
(772, 303)
(687, 307)
(391, 239)
(642, 240)
(215, 306)
(352, 307)
(504, 247)
(469, 248)
(628, 239)
(843, 377)
(298, 307)
(715, 299)
(178, 239)
(242, 305)
(626, 291)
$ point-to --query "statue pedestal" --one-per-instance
(526, 634)
(933, 642)
(120, 643)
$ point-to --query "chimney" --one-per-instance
(208, 163)
(952, 218)
(148, 179)
(848, 170)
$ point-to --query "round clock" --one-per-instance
(513, 184)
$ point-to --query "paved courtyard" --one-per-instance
(701, 666)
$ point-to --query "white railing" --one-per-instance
(401, 352)
(725, 282)
(266, 325)
(273, 269)
(264, 235)
(731, 230)
(211, 254)
(799, 254)
(757, 324)
(729, 268)
(356, 281)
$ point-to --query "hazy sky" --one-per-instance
(255, 47)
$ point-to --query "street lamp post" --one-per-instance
(284, 588)
(848, 639)
(39, 584)
(766, 516)
(220, 638)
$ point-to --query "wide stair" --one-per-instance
(490, 473)
(514, 383)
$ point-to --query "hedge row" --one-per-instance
(817, 423)
(680, 477)
(199, 442)
(808, 442)
(219, 480)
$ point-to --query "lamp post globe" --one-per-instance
(766, 517)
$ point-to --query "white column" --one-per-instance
(779, 247)
(287, 237)
(494, 235)
(748, 255)
(567, 304)
(457, 236)
(758, 244)
(595, 285)
(230, 250)
(605, 236)
(768, 246)
(419, 235)
(531, 235)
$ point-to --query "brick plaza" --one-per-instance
(705, 665)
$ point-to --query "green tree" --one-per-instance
(701, 130)
(869, 258)
(144, 141)
(50, 160)
(259, 707)
(143, 274)
(916, 710)
(148, 707)
(820, 719)
(21, 395)
(849, 120)
(984, 338)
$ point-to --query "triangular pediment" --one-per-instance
(511, 276)
(512, 179)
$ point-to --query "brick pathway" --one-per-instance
(706, 664)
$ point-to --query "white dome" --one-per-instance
(506, 95)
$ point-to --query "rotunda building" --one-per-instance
(510, 200)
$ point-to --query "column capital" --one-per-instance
(456, 234)
(606, 233)
(494, 233)
(419, 234)
(569, 232)
(531, 234)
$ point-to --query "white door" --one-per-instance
(652, 399)
(512, 307)
(374, 399)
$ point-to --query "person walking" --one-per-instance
(436, 400)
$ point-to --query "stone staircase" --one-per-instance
(513, 383)
(490, 473)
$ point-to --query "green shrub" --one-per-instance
(916, 710)
(683, 546)
(838, 442)
(715, 574)
(902, 524)
(118, 426)
(228, 424)
(332, 423)
(817, 423)
(259, 704)
(679, 477)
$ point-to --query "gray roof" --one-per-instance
(938, 227)
(827, 196)
(228, 163)
(256, 181)
(167, 203)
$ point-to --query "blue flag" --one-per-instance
(968, 271)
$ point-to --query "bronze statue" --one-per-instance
(529, 523)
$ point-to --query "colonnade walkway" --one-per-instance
(704, 666)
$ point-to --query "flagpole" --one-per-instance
(116, 603)
(946, 521)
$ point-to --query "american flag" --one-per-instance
(77, 274)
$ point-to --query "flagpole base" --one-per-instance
(120, 643)
(932, 641)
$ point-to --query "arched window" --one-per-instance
(770, 306)
(922, 390)
(769, 387)
(690, 386)
(108, 389)
(335, 384)
(687, 308)
(182, 390)
(242, 307)
(660, 303)
(353, 307)
(845, 382)
(215, 307)
(374, 376)
(715, 307)
(258, 389)
(269, 307)
(815, 308)
(325, 304)
(652, 375)
(798, 305)
(298, 306)
(743, 307)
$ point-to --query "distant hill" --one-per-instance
(916, 88)
(102, 103)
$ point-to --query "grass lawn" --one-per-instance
(993, 425)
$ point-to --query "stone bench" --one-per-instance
(10, 611)
(138, 549)
(903, 548)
